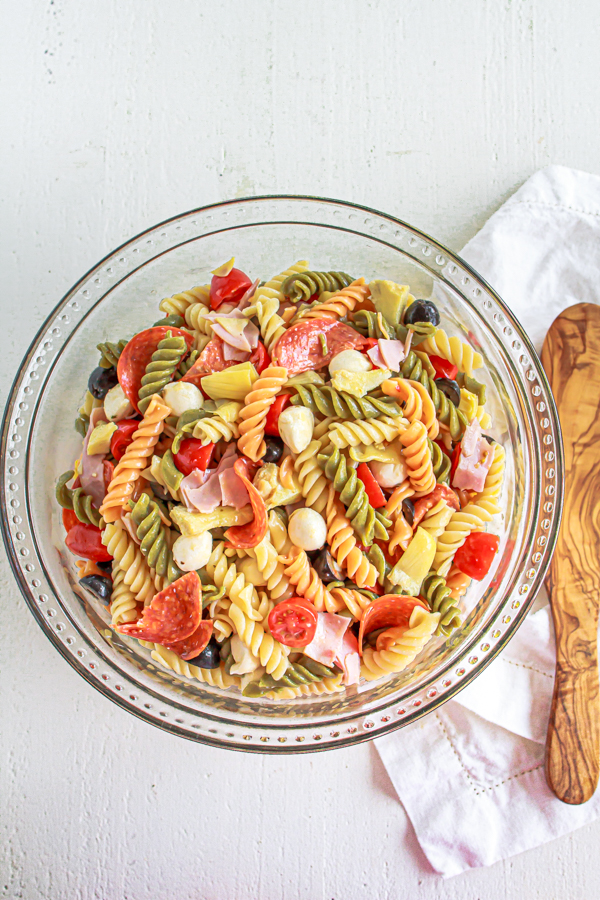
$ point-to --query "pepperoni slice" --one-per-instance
(138, 353)
(191, 646)
(300, 348)
(424, 504)
(387, 611)
(173, 615)
(244, 537)
(212, 359)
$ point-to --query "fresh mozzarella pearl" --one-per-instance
(181, 397)
(116, 404)
(296, 425)
(307, 529)
(191, 553)
(388, 474)
(245, 661)
(350, 361)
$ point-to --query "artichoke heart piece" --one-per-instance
(230, 384)
(415, 565)
(228, 410)
(468, 405)
(358, 384)
(392, 453)
(267, 482)
(194, 523)
(99, 441)
(390, 299)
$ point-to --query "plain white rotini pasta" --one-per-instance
(403, 645)
(367, 431)
(123, 605)
(178, 304)
(454, 350)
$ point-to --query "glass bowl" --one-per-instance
(120, 296)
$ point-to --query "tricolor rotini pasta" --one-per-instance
(284, 487)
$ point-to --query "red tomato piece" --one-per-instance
(69, 519)
(228, 288)
(443, 368)
(123, 437)
(293, 622)
(369, 344)
(475, 556)
(85, 541)
(260, 358)
(192, 455)
(300, 349)
(440, 492)
(244, 537)
(277, 407)
(191, 646)
(455, 462)
(386, 612)
(173, 615)
(138, 353)
(375, 495)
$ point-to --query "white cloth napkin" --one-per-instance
(471, 775)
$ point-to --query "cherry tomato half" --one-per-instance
(69, 519)
(443, 368)
(85, 541)
(137, 354)
(375, 495)
(123, 437)
(192, 455)
(228, 288)
(277, 407)
(293, 622)
(260, 358)
(475, 556)
(369, 343)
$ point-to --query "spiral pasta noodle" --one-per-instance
(403, 645)
(214, 428)
(339, 304)
(211, 677)
(454, 350)
(313, 483)
(110, 352)
(152, 535)
(418, 459)
(457, 582)
(492, 488)
(134, 459)
(123, 605)
(472, 518)
(341, 540)
(440, 599)
(161, 368)
(128, 556)
(180, 303)
(372, 431)
(254, 413)
(308, 584)
(368, 523)
(436, 519)
(416, 403)
(303, 286)
(329, 402)
(354, 601)
(77, 500)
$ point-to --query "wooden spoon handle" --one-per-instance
(573, 743)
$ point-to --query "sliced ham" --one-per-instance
(476, 457)
(392, 353)
(245, 301)
(232, 354)
(374, 354)
(91, 476)
(233, 489)
(326, 645)
(348, 659)
(203, 491)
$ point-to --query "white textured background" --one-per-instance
(120, 113)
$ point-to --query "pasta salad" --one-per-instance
(285, 487)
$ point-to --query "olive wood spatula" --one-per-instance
(571, 358)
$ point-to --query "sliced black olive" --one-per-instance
(422, 311)
(408, 511)
(489, 439)
(105, 566)
(101, 381)
(327, 568)
(174, 320)
(100, 586)
(450, 388)
(209, 658)
(274, 449)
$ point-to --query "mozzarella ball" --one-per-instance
(307, 529)
(388, 474)
(296, 425)
(116, 404)
(191, 553)
(350, 361)
(182, 396)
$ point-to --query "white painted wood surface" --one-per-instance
(117, 114)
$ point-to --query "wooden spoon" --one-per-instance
(571, 358)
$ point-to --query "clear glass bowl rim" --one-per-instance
(366, 730)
